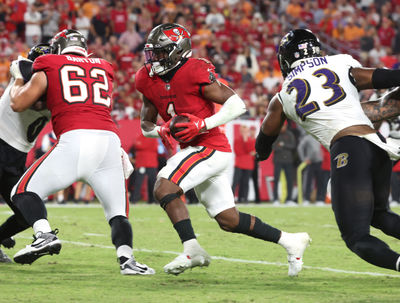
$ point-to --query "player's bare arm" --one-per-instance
(148, 116)
(23, 96)
(217, 92)
(270, 129)
(385, 108)
(377, 78)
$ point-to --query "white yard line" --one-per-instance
(233, 259)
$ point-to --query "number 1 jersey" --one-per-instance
(79, 92)
(320, 96)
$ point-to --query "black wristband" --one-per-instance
(264, 146)
(385, 78)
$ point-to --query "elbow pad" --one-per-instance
(385, 78)
(264, 146)
(231, 109)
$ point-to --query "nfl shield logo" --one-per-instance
(167, 86)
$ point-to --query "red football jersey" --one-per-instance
(183, 95)
(79, 92)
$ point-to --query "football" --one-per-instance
(173, 129)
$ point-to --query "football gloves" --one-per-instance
(194, 127)
(165, 135)
(15, 70)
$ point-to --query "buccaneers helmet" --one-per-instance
(167, 44)
(69, 41)
(295, 45)
(39, 50)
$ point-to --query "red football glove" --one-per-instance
(194, 127)
(165, 135)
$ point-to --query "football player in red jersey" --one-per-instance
(173, 83)
(78, 91)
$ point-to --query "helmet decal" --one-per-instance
(176, 34)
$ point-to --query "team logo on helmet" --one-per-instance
(176, 34)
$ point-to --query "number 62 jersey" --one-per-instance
(320, 96)
(79, 92)
(20, 130)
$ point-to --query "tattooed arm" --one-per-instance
(384, 108)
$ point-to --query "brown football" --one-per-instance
(173, 129)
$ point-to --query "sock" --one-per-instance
(11, 227)
(191, 245)
(124, 253)
(285, 239)
(41, 225)
(185, 230)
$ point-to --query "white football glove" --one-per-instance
(126, 164)
(15, 71)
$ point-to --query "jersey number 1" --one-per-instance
(304, 108)
(77, 90)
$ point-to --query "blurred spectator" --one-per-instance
(244, 149)
(247, 58)
(144, 155)
(214, 18)
(100, 26)
(310, 152)
(119, 18)
(284, 159)
(4, 67)
(254, 174)
(82, 24)
(131, 37)
(50, 22)
(33, 30)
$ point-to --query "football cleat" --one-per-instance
(132, 267)
(4, 258)
(295, 251)
(43, 244)
(185, 261)
(8, 243)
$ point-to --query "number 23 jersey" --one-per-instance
(320, 96)
(79, 92)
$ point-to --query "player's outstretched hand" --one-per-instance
(165, 135)
(194, 127)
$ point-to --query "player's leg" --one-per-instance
(183, 171)
(353, 199)
(12, 166)
(217, 197)
(108, 183)
(383, 218)
(55, 170)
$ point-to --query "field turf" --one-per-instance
(243, 269)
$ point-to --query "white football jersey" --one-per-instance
(20, 130)
(319, 95)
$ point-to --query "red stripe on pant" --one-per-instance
(126, 199)
(31, 170)
(188, 164)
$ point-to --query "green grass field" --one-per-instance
(243, 269)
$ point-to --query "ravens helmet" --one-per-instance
(295, 45)
(69, 41)
(39, 50)
(166, 45)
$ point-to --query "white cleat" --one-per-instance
(185, 261)
(132, 267)
(295, 252)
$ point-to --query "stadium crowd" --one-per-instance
(238, 36)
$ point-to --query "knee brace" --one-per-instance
(29, 207)
(121, 231)
(167, 199)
